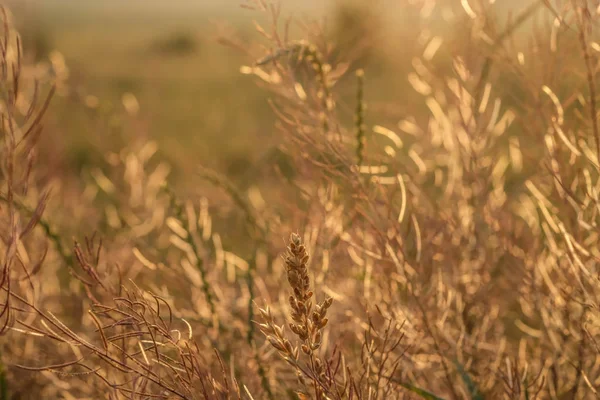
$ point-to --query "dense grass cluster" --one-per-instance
(451, 253)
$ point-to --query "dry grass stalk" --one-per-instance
(307, 325)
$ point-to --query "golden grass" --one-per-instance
(454, 251)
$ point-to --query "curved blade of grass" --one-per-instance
(423, 393)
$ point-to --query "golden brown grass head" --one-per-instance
(307, 323)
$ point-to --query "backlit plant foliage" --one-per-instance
(451, 253)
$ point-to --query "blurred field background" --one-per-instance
(192, 98)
